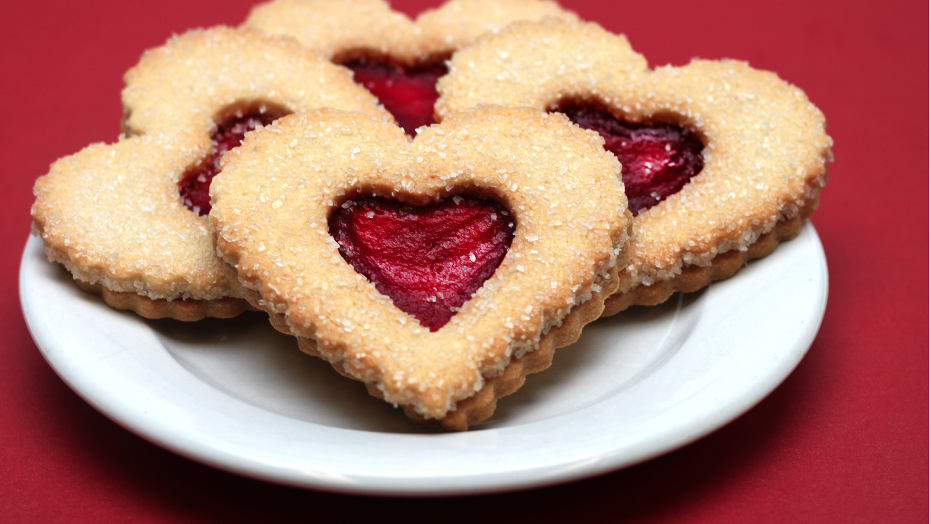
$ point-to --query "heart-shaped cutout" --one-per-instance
(658, 159)
(763, 146)
(428, 259)
(279, 194)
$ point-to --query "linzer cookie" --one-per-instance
(127, 219)
(396, 58)
(720, 161)
(439, 272)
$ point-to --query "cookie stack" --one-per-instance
(432, 205)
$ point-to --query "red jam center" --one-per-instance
(408, 93)
(428, 259)
(195, 184)
(658, 160)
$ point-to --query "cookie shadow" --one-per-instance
(584, 355)
(249, 360)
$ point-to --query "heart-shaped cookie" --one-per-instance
(763, 158)
(274, 203)
(396, 58)
(115, 215)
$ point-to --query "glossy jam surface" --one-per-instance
(428, 259)
(195, 184)
(658, 160)
(408, 93)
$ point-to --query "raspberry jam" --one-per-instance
(195, 184)
(408, 93)
(657, 160)
(428, 259)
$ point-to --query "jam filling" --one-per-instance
(428, 259)
(195, 184)
(658, 160)
(407, 92)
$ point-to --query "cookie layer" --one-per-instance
(272, 225)
(765, 147)
(112, 214)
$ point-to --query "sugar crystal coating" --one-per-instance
(457, 23)
(339, 27)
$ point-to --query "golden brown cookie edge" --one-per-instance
(186, 310)
(723, 266)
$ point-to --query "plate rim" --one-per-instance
(411, 484)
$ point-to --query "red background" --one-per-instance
(844, 439)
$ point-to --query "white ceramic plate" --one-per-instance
(239, 396)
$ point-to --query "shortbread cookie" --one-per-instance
(125, 218)
(720, 161)
(430, 333)
(397, 59)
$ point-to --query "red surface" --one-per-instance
(428, 259)
(844, 439)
